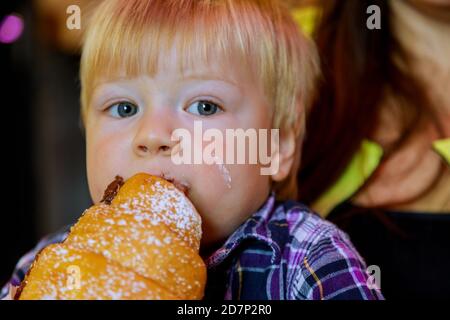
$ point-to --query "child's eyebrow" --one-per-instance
(208, 77)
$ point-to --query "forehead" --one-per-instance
(218, 65)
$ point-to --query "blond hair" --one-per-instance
(128, 37)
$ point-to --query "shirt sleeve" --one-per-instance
(25, 262)
(332, 269)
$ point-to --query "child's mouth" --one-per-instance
(182, 186)
(115, 185)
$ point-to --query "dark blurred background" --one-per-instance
(43, 144)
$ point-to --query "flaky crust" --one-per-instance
(140, 244)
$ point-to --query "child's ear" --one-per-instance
(286, 154)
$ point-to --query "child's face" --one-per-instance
(135, 136)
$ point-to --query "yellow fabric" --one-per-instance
(361, 167)
(443, 148)
(306, 18)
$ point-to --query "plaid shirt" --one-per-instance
(283, 251)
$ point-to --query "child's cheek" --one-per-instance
(104, 161)
(96, 170)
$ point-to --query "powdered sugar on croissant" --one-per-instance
(142, 242)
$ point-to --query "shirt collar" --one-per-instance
(258, 227)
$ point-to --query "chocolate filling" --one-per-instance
(112, 190)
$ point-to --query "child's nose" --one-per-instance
(153, 138)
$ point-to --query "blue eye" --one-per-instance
(204, 108)
(123, 110)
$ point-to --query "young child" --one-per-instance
(150, 67)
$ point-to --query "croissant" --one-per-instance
(140, 242)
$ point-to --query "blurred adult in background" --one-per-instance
(377, 150)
